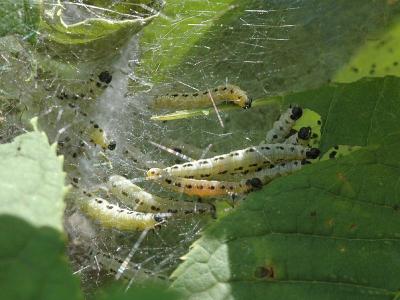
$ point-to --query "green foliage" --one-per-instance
(92, 28)
(32, 181)
(32, 255)
(376, 58)
(330, 231)
(19, 16)
(262, 46)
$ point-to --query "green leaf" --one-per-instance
(329, 231)
(378, 57)
(106, 23)
(264, 47)
(32, 256)
(32, 181)
(33, 263)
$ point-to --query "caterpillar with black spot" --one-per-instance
(99, 137)
(281, 128)
(238, 162)
(142, 201)
(220, 94)
(206, 188)
(113, 216)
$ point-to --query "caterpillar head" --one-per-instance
(297, 112)
(305, 133)
(237, 95)
(154, 172)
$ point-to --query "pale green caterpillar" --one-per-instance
(238, 162)
(220, 94)
(113, 216)
(281, 128)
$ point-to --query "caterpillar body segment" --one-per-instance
(113, 216)
(220, 94)
(281, 128)
(206, 188)
(238, 162)
(301, 137)
(281, 169)
(142, 201)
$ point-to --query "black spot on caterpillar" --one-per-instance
(223, 93)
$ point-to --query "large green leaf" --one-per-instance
(32, 253)
(330, 231)
(32, 181)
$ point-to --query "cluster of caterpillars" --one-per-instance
(239, 172)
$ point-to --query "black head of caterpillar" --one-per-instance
(304, 133)
(297, 112)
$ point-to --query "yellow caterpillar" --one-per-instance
(220, 94)
(113, 216)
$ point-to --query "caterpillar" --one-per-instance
(113, 216)
(99, 137)
(206, 188)
(220, 94)
(238, 162)
(281, 128)
(301, 137)
(143, 201)
(112, 263)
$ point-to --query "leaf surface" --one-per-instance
(329, 231)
